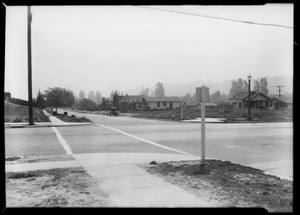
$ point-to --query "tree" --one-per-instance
(116, 100)
(145, 92)
(98, 98)
(105, 104)
(245, 86)
(264, 86)
(216, 96)
(91, 95)
(40, 100)
(59, 97)
(236, 87)
(256, 86)
(86, 104)
(187, 98)
(159, 90)
(81, 95)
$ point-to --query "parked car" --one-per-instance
(112, 111)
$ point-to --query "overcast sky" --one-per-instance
(121, 47)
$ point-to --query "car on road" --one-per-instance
(112, 111)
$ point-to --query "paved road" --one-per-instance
(252, 143)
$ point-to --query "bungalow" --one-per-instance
(133, 102)
(140, 102)
(258, 100)
(281, 103)
(162, 102)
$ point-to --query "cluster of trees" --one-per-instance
(55, 97)
(159, 91)
(61, 97)
(261, 86)
(240, 85)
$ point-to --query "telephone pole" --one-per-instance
(29, 20)
(279, 90)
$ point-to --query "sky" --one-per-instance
(105, 48)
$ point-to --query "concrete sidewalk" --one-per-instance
(207, 120)
(23, 167)
(128, 185)
(54, 122)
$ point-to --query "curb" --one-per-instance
(43, 126)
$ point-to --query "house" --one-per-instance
(281, 103)
(258, 100)
(7, 95)
(162, 102)
(135, 102)
(140, 102)
(198, 104)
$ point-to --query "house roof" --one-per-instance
(255, 95)
(133, 98)
(240, 96)
(287, 100)
(244, 96)
(163, 99)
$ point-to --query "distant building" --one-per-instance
(7, 95)
(258, 100)
(162, 102)
(199, 94)
(140, 102)
(281, 103)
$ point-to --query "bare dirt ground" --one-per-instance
(226, 184)
(68, 187)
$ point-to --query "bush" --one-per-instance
(65, 113)
(54, 113)
(17, 119)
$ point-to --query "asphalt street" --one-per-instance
(244, 143)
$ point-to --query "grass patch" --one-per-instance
(67, 118)
(70, 187)
(228, 184)
(18, 113)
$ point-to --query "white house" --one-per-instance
(162, 102)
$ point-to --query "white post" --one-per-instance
(181, 116)
(203, 126)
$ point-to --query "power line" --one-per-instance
(215, 17)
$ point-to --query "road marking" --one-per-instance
(62, 141)
(146, 141)
(75, 133)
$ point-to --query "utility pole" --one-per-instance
(202, 163)
(181, 115)
(249, 99)
(279, 90)
(29, 20)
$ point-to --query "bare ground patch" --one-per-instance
(70, 187)
(228, 185)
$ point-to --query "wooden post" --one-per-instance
(203, 126)
(29, 19)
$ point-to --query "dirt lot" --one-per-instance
(226, 184)
(231, 114)
(69, 187)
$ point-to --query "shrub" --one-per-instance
(54, 113)
(17, 119)
(65, 113)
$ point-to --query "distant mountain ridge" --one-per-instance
(182, 88)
